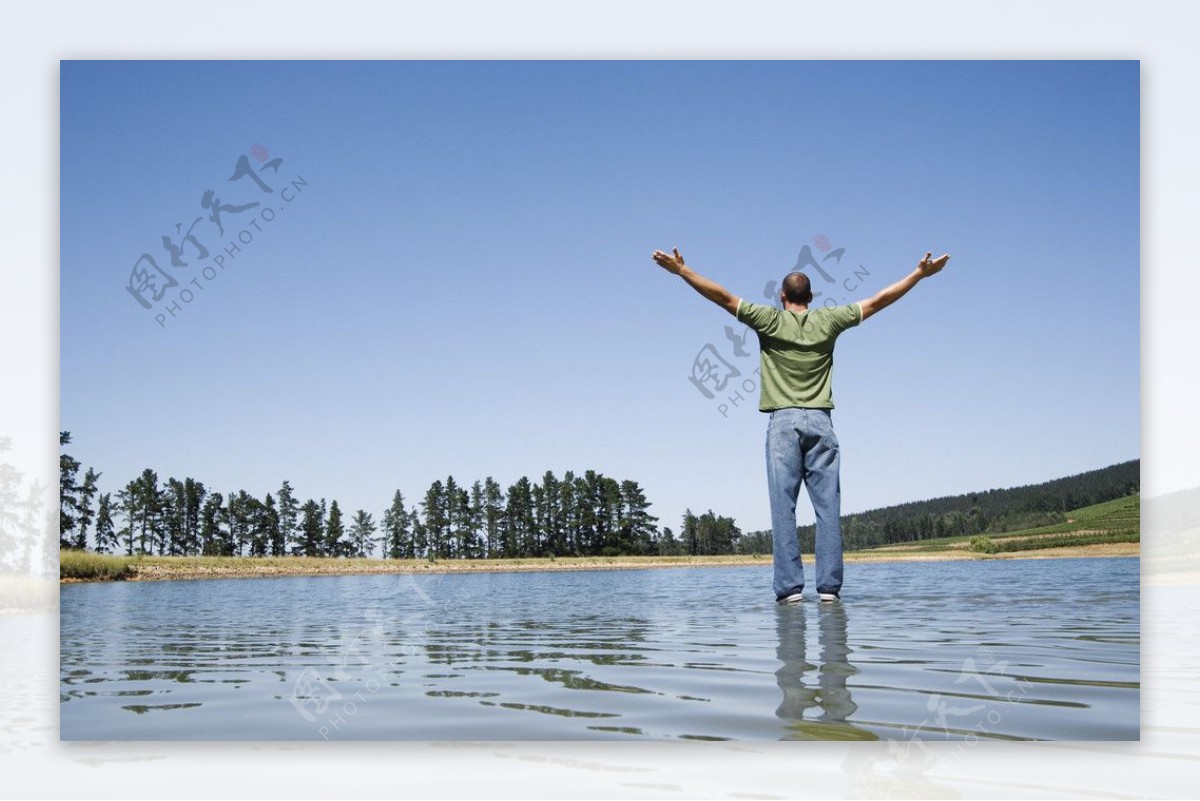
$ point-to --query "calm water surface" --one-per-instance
(1020, 649)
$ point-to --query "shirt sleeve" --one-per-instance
(763, 319)
(846, 316)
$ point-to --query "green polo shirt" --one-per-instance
(797, 352)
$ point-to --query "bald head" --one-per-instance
(797, 289)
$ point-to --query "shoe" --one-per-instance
(828, 596)
(794, 598)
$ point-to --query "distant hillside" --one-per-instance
(1110, 523)
(985, 512)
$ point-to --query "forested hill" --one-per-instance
(990, 511)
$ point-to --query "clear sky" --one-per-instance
(461, 282)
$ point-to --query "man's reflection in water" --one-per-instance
(821, 687)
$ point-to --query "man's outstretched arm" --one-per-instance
(673, 263)
(886, 297)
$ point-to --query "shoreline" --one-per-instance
(189, 568)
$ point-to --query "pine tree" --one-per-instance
(689, 534)
(106, 538)
(716, 535)
(194, 493)
(240, 515)
(232, 532)
(86, 493)
(568, 514)
(289, 515)
(322, 539)
(608, 510)
(128, 502)
(420, 536)
(704, 534)
(175, 515)
(276, 542)
(335, 531)
(260, 520)
(312, 529)
(362, 534)
(451, 538)
(395, 538)
(493, 518)
(475, 518)
(586, 492)
(554, 534)
(666, 543)
(638, 526)
(541, 521)
(436, 523)
(254, 540)
(68, 492)
(460, 518)
(518, 537)
(212, 536)
(151, 528)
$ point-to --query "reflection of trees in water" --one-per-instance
(530, 648)
(519, 647)
(601, 642)
(26, 523)
(821, 687)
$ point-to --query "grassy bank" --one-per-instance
(157, 568)
(1114, 523)
(85, 566)
(77, 566)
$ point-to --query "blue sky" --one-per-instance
(463, 283)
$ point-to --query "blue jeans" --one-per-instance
(801, 447)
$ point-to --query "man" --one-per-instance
(796, 345)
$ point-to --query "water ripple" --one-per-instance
(514, 656)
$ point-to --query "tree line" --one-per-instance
(576, 515)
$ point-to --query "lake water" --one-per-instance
(1013, 649)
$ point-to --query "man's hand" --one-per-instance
(672, 264)
(709, 289)
(930, 266)
(886, 297)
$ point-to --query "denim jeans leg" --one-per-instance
(785, 467)
(822, 464)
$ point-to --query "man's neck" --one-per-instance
(792, 307)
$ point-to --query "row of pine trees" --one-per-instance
(581, 515)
